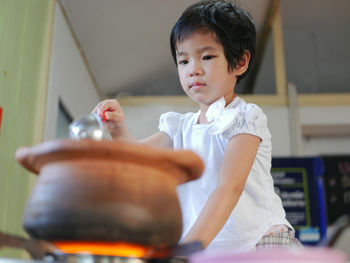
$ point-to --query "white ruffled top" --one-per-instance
(258, 208)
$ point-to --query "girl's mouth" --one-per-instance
(196, 85)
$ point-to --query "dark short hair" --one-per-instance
(232, 26)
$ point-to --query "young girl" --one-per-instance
(233, 205)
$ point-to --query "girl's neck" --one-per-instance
(203, 108)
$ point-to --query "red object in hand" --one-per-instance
(103, 117)
(0, 117)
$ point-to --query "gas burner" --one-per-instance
(96, 252)
(127, 253)
(86, 258)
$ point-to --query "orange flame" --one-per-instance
(120, 249)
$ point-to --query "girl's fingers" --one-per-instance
(108, 106)
(114, 116)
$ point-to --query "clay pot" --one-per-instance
(106, 191)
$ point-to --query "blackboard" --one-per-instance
(299, 183)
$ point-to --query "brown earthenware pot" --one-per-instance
(106, 191)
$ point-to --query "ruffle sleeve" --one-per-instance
(250, 120)
(169, 123)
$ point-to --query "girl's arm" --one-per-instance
(238, 160)
(116, 125)
(159, 139)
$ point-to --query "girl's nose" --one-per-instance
(196, 70)
(194, 73)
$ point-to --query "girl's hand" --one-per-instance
(111, 112)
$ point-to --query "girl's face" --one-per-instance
(203, 69)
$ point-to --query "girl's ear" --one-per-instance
(243, 63)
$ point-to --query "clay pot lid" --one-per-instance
(185, 165)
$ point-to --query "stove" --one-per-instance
(94, 259)
(86, 258)
(96, 252)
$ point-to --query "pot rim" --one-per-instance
(185, 162)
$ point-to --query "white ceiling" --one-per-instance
(126, 42)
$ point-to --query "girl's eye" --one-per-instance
(208, 57)
(183, 62)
